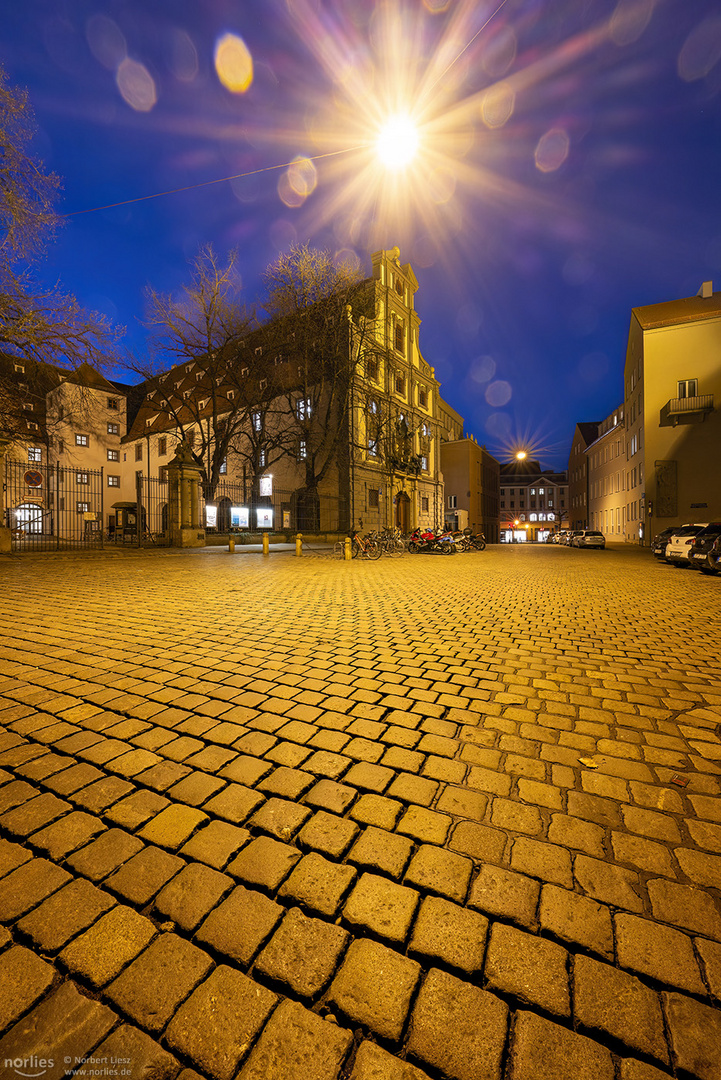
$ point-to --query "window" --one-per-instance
(82, 440)
(259, 351)
(533, 491)
(223, 468)
(139, 451)
(82, 507)
(541, 491)
(113, 481)
(302, 450)
(82, 478)
(243, 372)
(35, 454)
(423, 398)
(20, 368)
(372, 368)
(27, 406)
(303, 408)
(398, 336)
(113, 403)
(263, 384)
(188, 368)
(424, 504)
(113, 455)
(425, 431)
(373, 407)
(230, 395)
(452, 502)
(186, 394)
(61, 445)
(113, 429)
(503, 504)
(372, 446)
(399, 285)
(257, 421)
(424, 464)
(149, 421)
(400, 384)
(162, 446)
(373, 499)
(262, 458)
(688, 388)
(163, 473)
(278, 360)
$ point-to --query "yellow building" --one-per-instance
(606, 468)
(471, 485)
(672, 382)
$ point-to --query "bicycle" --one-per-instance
(390, 542)
(365, 546)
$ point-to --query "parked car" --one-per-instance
(589, 538)
(678, 548)
(658, 544)
(568, 538)
(703, 546)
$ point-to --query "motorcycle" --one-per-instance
(475, 542)
(425, 540)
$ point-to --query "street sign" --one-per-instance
(33, 479)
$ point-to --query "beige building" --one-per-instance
(471, 485)
(533, 502)
(672, 380)
(606, 468)
(585, 434)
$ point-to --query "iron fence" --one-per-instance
(231, 509)
(53, 507)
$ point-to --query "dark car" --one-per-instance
(658, 544)
(703, 553)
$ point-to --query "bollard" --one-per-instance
(265, 543)
(231, 545)
(348, 555)
(299, 544)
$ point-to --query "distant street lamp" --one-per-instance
(521, 455)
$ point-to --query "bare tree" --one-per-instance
(39, 326)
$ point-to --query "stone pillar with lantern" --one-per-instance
(184, 527)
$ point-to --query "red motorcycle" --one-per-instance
(425, 540)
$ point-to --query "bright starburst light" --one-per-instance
(398, 142)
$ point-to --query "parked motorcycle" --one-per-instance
(426, 540)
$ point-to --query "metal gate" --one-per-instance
(53, 507)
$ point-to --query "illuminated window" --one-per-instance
(302, 450)
(223, 468)
(263, 384)
(82, 440)
(113, 429)
(35, 454)
(82, 507)
(82, 478)
(257, 421)
(424, 464)
(262, 458)
(113, 455)
(303, 408)
(113, 481)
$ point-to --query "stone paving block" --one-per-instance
(151, 988)
(518, 817)
(603, 812)
(163, 775)
(651, 824)
(381, 907)
(701, 868)
(616, 1004)
(378, 811)
(65, 1026)
(146, 1057)
(704, 834)
(457, 1029)
(211, 759)
(445, 770)
(461, 802)
(577, 920)
(610, 884)
(64, 914)
(133, 762)
(655, 797)
(99, 795)
(240, 925)
(104, 855)
(297, 1045)
(280, 818)
(374, 988)
(603, 785)
(24, 979)
(574, 832)
(531, 969)
(72, 778)
(695, 1036)
(24, 820)
(191, 894)
(413, 789)
(326, 764)
(685, 906)
(657, 951)
(631, 1069)
(530, 791)
(101, 953)
(132, 812)
(642, 853)
(330, 796)
(478, 841)
(44, 767)
(215, 843)
(545, 861)
(219, 1021)
(264, 863)
(436, 870)
(368, 777)
(382, 851)
(286, 783)
(196, 788)
(424, 825)
(288, 755)
(502, 893)
(181, 748)
(710, 953)
(67, 835)
(12, 856)
(495, 783)
(707, 807)
(328, 834)
(374, 1063)
(318, 885)
(542, 1050)
(25, 887)
(245, 770)
(144, 875)
(302, 954)
(235, 803)
(445, 933)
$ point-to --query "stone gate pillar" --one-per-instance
(5, 541)
(184, 524)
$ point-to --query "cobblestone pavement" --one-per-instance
(297, 819)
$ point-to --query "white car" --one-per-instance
(589, 538)
(678, 548)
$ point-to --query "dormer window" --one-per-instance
(259, 351)
(188, 369)
(244, 373)
(186, 395)
(278, 360)
(113, 403)
(231, 395)
(20, 368)
(149, 421)
(263, 384)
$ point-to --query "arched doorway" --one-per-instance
(403, 512)
(224, 505)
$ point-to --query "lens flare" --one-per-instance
(233, 63)
(136, 85)
(398, 142)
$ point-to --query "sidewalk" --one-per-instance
(301, 819)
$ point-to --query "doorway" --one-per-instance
(403, 512)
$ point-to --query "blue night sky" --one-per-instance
(568, 168)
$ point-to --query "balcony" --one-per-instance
(688, 410)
